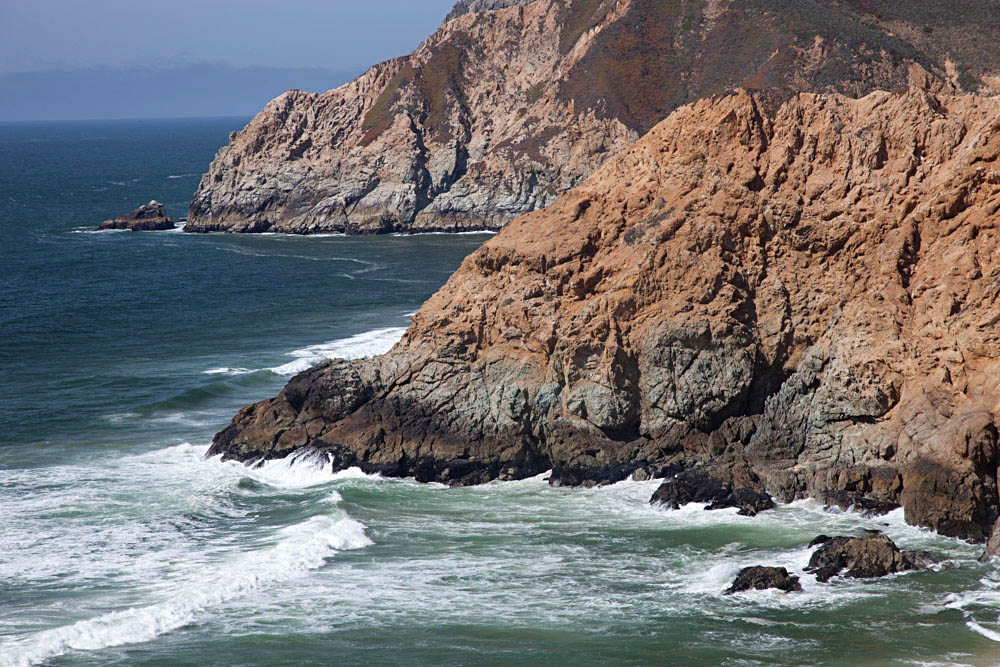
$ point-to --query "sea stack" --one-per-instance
(151, 217)
(807, 284)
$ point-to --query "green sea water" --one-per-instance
(121, 354)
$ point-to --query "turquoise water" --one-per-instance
(122, 353)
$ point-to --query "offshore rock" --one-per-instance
(868, 557)
(807, 285)
(148, 217)
(719, 488)
(759, 578)
(511, 103)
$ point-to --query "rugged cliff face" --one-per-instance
(806, 286)
(512, 102)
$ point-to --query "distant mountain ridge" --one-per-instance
(190, 90)
(511, 103)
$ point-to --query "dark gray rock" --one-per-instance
(697, 486)
(873, 555)
(760, 578)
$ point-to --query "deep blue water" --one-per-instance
(122, 353)
(100, 325)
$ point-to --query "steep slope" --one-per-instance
(808, 286)
(512, 102)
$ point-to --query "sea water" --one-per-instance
(122, 353)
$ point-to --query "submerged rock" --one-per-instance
(867, 557)
(697, 486)
(147, 218)
(760, 578)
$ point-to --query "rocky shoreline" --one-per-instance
(802, 287)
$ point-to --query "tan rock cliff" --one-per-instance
(806, 284)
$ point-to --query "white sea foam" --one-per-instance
(299, 236)
(175, 176)
(488, 232)
(225, 370)
(119, 417)
(356, 473)
(190, 418)
(985, 632)
(368, 344)
(300, 548)
(591, 560)
(97, 231)
(301, 469)
(178, 228)
(148, 540)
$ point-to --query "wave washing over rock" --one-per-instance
(511, 103)
(804, 284)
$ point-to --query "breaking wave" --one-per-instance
(363, 345)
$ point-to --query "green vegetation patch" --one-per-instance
(535, 92)
(433, 82)
(443, 75)
(379, 118)
(579, 17)
(634, 71)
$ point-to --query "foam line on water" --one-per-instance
(368, 344)
(301, 548)
(488, 232)
(154, 508)
(226, 370)
(989, 634)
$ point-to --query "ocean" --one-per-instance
(122, 353)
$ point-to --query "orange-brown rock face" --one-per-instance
(805, 285)
(513, 102)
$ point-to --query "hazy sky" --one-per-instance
(339, 34)
(88, 59)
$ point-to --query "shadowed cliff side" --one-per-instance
(511, 103)
(803, 284)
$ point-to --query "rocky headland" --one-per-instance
(514, 102)
(151, 217)
(799, 287)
